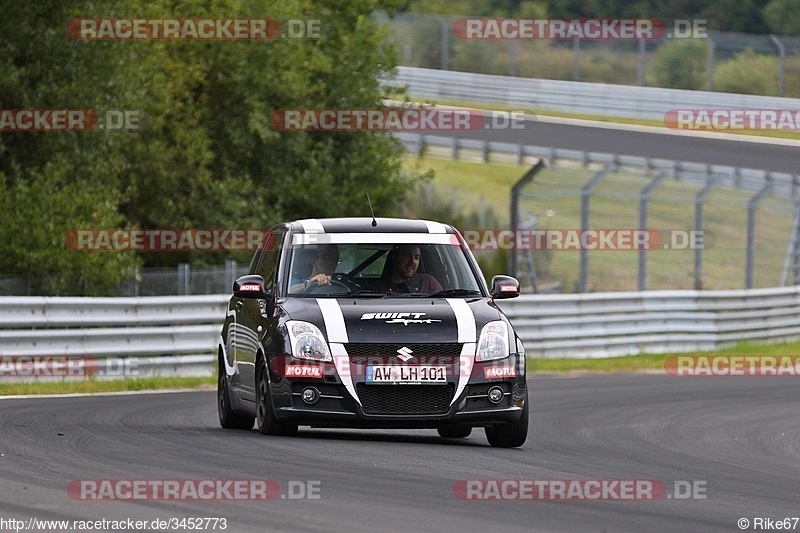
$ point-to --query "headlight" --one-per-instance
(307, 341)
(493, 343)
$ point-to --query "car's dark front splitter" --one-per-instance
(317, 418)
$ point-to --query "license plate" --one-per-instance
(406, 374)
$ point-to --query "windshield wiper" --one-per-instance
(368, 292)
(454, 292)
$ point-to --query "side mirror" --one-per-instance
(504, 287)
(250, 287)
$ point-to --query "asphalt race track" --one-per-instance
(719, 151)
(739, 438)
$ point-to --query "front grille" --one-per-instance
(423, 354)
(405, 399)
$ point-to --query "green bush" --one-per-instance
(748, 73)
(681, 64)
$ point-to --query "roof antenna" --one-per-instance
(374, 222)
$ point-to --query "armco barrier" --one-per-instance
(168, 335)
(573, 97)
(609, 324)
(177, 335)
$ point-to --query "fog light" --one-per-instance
(310, 395)
(496, 395)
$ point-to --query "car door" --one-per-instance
(253, 314)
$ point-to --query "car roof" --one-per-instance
(365, 225)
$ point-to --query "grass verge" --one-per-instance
(93, 385)
(650, 362)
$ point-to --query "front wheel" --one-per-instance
(227, 417)
(265, 416)
(510, 435)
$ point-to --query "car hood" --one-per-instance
(434, 320)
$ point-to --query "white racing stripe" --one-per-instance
(434, 227)
(334, 320)
(312, 225)
(337, 338)
(467, 333)
(374, 238)
(465, 368)
(342, 362)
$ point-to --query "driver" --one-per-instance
(323, 265)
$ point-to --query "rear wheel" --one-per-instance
(265, 416)
(227, 417)
(509, 435)
(454, 432)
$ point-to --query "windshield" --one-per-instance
(380, 269)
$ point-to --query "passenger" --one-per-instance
(401, 274)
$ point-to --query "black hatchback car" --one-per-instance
(371, 323)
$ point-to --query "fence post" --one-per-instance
(230, 274)
(445, 42)
(512, 57)
(710, 64)
(586, 194)
(640, 71)
(751, 228)
(576, 66)
(698, 226)
(516, 190)
(644, 196)
(782, 55)
(183, 278)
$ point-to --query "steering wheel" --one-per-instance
(337, 280)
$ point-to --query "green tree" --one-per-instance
(681, 64)
(207, 155)
(783, 17)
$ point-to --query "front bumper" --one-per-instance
(403, 406)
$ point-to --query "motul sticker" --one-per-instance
(499, 372)
(303, 371)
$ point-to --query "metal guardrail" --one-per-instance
(624, 323)
(574, 97)
(783, 185)
(574, 325)
(131, 337)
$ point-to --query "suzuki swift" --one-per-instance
(371, 323)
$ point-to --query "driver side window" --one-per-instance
(268, 266)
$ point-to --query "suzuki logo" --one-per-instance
(405, 354)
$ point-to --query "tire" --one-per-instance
(510, 435)
(454, 432)
(227, 417)
(265, 416)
